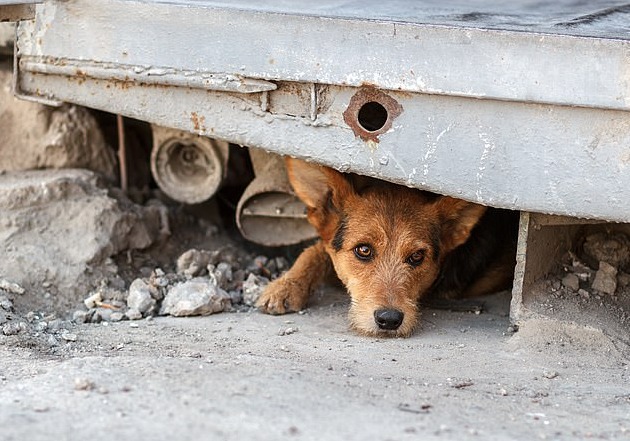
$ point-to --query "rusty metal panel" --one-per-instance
(563, 160)
(556, 55)
(527, 110)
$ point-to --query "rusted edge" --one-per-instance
(366, 95)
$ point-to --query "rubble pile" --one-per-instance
(204, 282)
(600, 274)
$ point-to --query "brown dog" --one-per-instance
(390, 246)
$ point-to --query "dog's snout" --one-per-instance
(388, 319)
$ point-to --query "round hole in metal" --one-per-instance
(372, 116)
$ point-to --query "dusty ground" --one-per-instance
(68, 235)
(235, 376)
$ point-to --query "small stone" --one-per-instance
(220, 275)
(236, 297)
(550, 375)
(69, 336)
(139, 297)
(195, 297)
(133, 314)
(41, 326)
(288, 331)
(193, 262)
(13, 328)
(83, 384)
(253, 287)
(103, 314)
(116, 316)
(6, 303)
(257, 265)
(11, 287)
(96, 317)
(458, 383)
(605, 279)
(93, 300)
(571, 281)
(81, 316)
(58, 325)
(584, 294)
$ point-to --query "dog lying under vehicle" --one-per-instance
(392, 246)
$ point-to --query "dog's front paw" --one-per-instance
(283, 295)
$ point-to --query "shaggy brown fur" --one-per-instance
(390, 246)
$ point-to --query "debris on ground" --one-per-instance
(592, 284)
(203, 282)
(61, 227)
(198, 296)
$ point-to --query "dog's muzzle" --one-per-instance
(388, 319)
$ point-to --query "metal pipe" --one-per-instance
(269, 213)
(188, 168)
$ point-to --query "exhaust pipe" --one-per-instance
(189, 168)
(269, 213)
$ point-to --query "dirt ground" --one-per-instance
(87, 353)
(245, 375)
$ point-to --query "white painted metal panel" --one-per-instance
(525, 109)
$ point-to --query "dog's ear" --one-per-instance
(458, 219)
(317, 186)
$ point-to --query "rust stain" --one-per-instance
(199, 122)
(369, 94)
(81, 76)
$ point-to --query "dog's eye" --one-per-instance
(416, 258)
(363, 252)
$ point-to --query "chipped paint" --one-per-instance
(488, 147)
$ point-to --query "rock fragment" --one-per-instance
(220, 275)
(571, 281)
(193, 262)
(11, 287)
(69, 336)
(6, 303)
(133, 314)
(81, 317)
(81, 383)
(116, 316)
(195, 297)
(80, 223)
(93, 300)
(13, 328)
(605, 278)
(253, 287)
(140, 297)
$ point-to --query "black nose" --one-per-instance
(389, 319)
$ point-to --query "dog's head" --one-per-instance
(386, 242)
